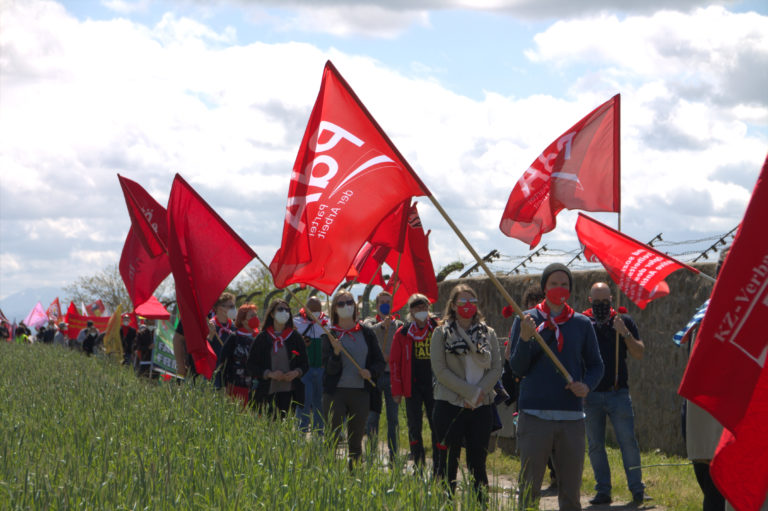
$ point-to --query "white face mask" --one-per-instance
(281, 317)
(346, 312)
(232, 313)
(421, 315)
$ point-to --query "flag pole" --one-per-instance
(325, 328)
(396, 276)
(500, 288)
(618, 306)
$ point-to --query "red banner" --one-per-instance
(639, 270)
(579, 170)
(347, 176)
(76, 321)
(205, 255)
(726, 374)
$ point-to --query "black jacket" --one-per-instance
(260, 361)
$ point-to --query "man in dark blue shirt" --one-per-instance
(610, 399)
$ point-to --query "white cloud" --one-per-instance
(125, 7)
(83, 100)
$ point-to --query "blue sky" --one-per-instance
(221, 91)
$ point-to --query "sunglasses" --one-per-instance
(345, 303)
(282, 309)
(466, 301)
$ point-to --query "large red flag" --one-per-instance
(205, 255)
(639, 270)
(144, 262)
(54, 310)
(726, 374)
(579, 170)
(148, 217)
(347, 176)
(415, 273)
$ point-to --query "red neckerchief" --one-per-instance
(417, 334)
(552, 323)
(321, 317)
(393, 317)
(125, 329)
(349, 331)
(278, 341)
(220, 327)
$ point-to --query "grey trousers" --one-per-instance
(537, 439)
(351, 405)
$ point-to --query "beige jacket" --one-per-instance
(449, 369)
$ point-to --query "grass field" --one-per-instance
(85, 433)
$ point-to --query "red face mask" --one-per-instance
(558, 295)
(254, 323)
(467, 310)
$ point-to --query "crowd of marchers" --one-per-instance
(335, 373)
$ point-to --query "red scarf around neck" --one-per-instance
(419, 334)
(348, 331)
(278, 341)
(553, 323)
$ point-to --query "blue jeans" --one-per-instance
(372, 427)
(313, 400)
(616, 405)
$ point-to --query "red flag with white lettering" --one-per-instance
(639, 270)
(205, 255)
(579, 170)
(415, 273)
(148, 217)
(347, 176)
(726, 374)
(144, 261)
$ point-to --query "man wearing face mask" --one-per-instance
(311, 414)
(384, 325)
(551, 419)
(221, 326)
(611, 396)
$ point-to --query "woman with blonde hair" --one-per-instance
(345, 387)
(467, 364)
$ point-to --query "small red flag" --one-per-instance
(205, 255)
(148, 217)
(347, 176)
(95, 308)
(726, 374)
(639, 270)
(366, 268)
(416, 273)
(579, 170)
(77, 321)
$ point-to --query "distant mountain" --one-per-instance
(18, 305)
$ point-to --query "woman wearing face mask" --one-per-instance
(278, 359)
(411, 373)
(345, 387)
(221, 326)
(467, 364)
(233, 362)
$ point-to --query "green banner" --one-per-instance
(162, 355)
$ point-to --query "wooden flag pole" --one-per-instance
(618, 305)
(500, 288)
(397, 277)
(325, 328)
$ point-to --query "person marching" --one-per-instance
(411, 373)
(233, 362)
(610, 399)
(551, 420)
(312, 333)
(466, 362)
(384, 325)
(346, 389)
(278, 359)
